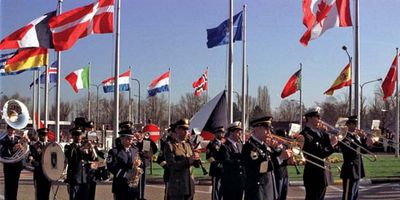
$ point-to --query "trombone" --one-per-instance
(341, 133)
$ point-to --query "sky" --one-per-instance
(161, 34)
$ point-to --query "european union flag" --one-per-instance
(220, 35)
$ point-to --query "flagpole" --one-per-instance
(34, 101)
(169, 97)
(130, 97)
(397, 108)
(208, 86)
(59, 11)
(357, 63)
(244, 25)
(90, 72)
(116, 72)
(38, 99)
(46, 95)
(230, 64)
(301, 95)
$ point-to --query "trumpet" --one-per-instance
(290, 144)
(341, 132)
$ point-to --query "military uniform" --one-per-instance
(161, 161)
(42, 184)
(12, 171)
(213, 155)
(146, 158)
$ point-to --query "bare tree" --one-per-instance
(289, 111)
(332, 109)
(263, 98)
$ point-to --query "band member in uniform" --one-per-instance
(161, 157)
(42, 184)
(180, 158)
(320, 144)
(123, 162)
(9, 144)
(213, 156)
(233, 175)
(78, 156)
(257, 157)
(352, 168)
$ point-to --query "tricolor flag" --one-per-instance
(389, 83)
(293, 84)
(52, 75)
(201, 84)
(343, 80)
(70, 26)
(158, 85)
(220, 35)
(321, 15)
(22, 60)
(123, 82)
(79, 79)
(35, 34)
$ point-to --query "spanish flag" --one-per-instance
(24, 59)
(343, 80)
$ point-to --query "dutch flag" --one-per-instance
(123, 82)
(158, 85)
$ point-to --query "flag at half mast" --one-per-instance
(220, 35)
(343, 80)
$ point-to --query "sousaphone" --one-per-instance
(53, 161)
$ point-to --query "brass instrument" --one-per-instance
(138, 171)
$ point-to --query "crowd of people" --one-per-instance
(255, 169)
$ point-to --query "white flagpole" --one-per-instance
(34, 101)
(46, 96)
(169, 97)
(244, 72)
(397, 107)
(90, 74)
(301, 94)
(230, 64)
(58, 83)
(357, 63)
(208, 86)
(116, 72)
(38, 100)
(130, 97)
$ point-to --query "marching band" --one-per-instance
(251, 170)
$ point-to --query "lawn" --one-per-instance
(385, 166)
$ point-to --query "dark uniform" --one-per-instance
(77, 169)
(213, 155)
(260, 178)
(161, 159)
(316, 143)
(11, 171)
(42, 184)
(233, 175)
(280, 170)
(146, 158)
(120, 162)
(352, 168)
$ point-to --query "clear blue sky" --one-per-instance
(161, 34)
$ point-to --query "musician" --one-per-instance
(42, 184)
(257, 157)
(123, 162)
(180, 158)
(316, 142)
(352, 168)
(233, 174)
(161, 157)
(78, 156)
(12, 171)
(213, 155)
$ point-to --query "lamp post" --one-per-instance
(138, 82)
(348, 55)
(97, 103)
(361, 94)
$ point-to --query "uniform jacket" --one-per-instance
(177, 156)
(259, 186)
(352, 167)
(213, 155)
(318, 144)
(7, 150)
(161, 157)
(233, 174)
(35, 150)
(78, 165)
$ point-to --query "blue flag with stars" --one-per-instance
(220, 35)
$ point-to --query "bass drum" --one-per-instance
(53, 161)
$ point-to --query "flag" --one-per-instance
(52, 75)
(321, 15)
(343, 80)
(123, 82)
(79, 79)
(22, 60)
(70, 26)
(158, 85)
(201, 84)
(35, 34)
(293, 84)
(220, 35)
(389, 83)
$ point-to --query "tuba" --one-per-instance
(16, 115)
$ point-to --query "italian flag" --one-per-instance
(79, 79)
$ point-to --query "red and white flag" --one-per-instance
(70, 26)
(201, 84)
(35, 34)
(389, 83)
(321, 15)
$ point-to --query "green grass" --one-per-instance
(386, 166)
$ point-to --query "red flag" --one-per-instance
(201, 84)
(343, 80)
(389, 83)
(293, 84)
(321, 15)
(70, 26)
